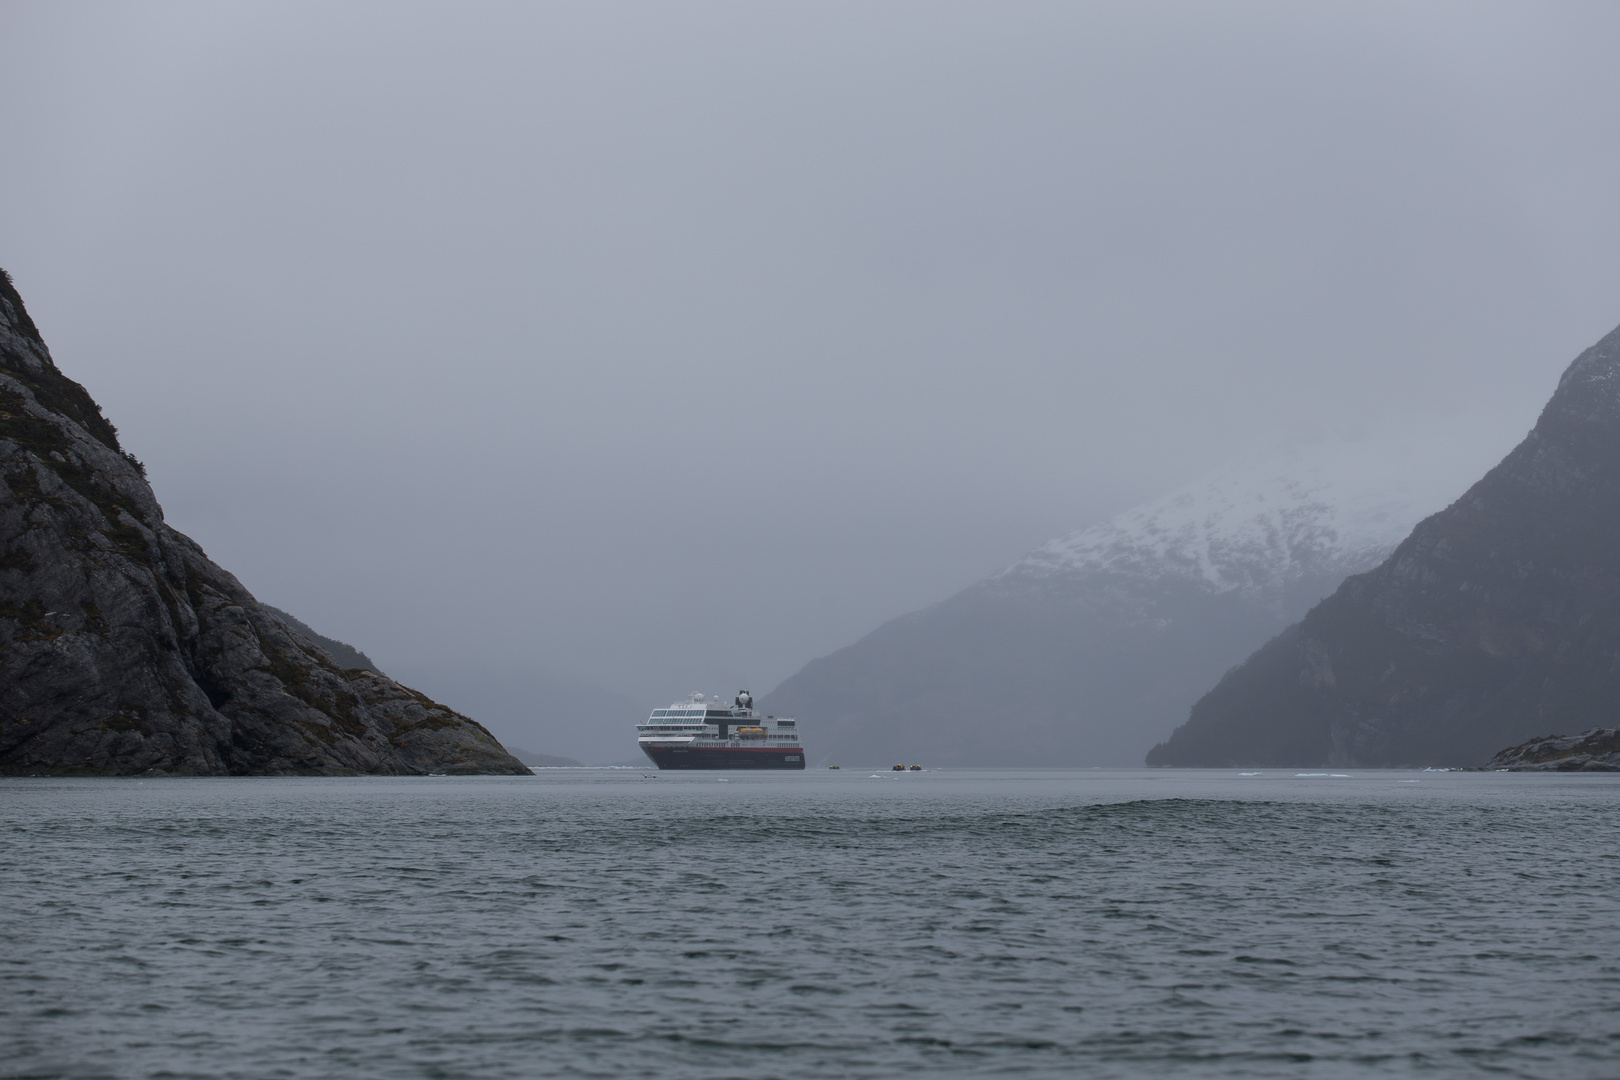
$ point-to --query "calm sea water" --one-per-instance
(825, 924)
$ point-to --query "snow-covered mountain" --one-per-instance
(1258, 527)
(1093, 647)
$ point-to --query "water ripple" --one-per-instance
(1033, 925)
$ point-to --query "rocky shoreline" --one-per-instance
(1595, 750)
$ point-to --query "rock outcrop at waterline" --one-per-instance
(1597, 750)
(1496, 618)
(124, 649)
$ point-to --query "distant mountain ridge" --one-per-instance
(543, 761)
(1496, 619)
(1092, 647)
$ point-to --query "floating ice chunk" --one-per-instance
(1248, 774)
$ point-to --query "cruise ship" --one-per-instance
(702, 733)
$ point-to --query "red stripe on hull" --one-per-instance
(725, 757)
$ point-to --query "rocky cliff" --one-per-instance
(1496, 618)
(1092, 648)
(124, 649)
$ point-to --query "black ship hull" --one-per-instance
(725, 757)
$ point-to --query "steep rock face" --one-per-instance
(124, 649)
(1092, 648)
(1496, 618)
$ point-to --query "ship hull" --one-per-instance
(725, 757)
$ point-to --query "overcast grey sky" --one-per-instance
(667, 345)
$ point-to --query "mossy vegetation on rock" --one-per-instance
(341, 651)
(125, 649)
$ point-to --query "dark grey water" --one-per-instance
(590, 923)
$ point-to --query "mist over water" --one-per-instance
(571, 358)
(659, 348)
(1113, 924)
